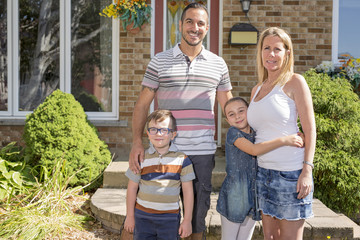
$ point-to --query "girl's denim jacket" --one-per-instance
(237, 197)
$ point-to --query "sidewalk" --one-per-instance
(109, 206)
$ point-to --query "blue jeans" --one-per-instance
(203, 166)
(277, 195)
(150, 226)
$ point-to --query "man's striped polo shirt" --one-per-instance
(160, 180)
(188, 90)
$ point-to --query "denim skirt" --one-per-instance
(277, 196)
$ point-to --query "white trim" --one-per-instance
(208, 6)
(14, 46)
(219, 113)
(66, 34)
(221, 7)
(62, 61)
(164, 24)
(9, 60)
(152, 39)
(335, 32)
(115, 67)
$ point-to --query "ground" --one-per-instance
(93, 229)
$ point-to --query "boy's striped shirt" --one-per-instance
(160, 181)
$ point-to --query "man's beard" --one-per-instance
(189, 43)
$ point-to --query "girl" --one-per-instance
(237, 200)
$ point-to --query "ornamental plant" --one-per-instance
(337, 157)
(59, 130)
(351, 68)
(46, 210)
(15, 175)
(130, 12)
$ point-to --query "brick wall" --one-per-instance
(133, 58)
(308, 21)
(11, 133)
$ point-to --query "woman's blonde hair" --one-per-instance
(287, 70)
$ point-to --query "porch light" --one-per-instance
(245, 4)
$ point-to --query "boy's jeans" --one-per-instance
(156, 226)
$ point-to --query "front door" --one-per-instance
(167, 14)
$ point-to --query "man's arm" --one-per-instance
(260, 148)
(131, 194)
(223, 97)
(185, 228)
(140, 113)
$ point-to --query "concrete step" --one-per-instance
(114, 175)
(109, 207)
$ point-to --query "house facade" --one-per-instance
(102, 65)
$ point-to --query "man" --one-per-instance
(186, 79)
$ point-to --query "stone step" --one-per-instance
(114, 175)
(109, 207)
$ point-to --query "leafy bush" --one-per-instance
(58, 129)
(337, 157)
(89, 102)
(46, 212)
(15, 176)
(349, 70)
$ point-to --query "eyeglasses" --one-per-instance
(154, 131)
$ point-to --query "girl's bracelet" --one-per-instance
(309, 163)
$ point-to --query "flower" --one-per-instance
(325, 67)
(351, 68)
(135, 12)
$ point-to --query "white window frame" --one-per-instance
(65, 62)
(335, 33)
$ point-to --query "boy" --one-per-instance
(153, 211)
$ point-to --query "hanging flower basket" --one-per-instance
(132, 13)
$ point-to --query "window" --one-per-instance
(174, 11)
(59, 44)
(3, 57)
(346, 32)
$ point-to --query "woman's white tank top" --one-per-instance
(275, 116)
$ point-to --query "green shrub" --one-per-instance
(15, 175)
(89, 102)
(337, 157)
(47, 210)
(58, 129)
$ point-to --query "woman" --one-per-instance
(284, 177)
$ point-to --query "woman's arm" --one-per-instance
(260, 148)
(298, 90)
